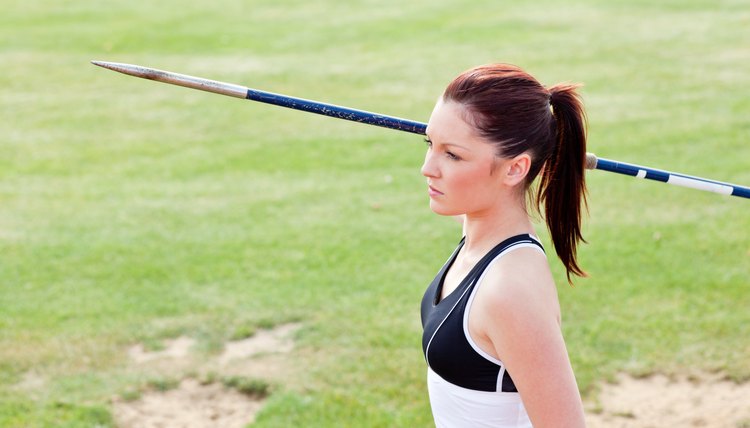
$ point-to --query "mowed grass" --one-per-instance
(132, 211)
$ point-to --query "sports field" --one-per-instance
(135, 213)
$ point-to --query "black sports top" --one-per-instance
(446, 342)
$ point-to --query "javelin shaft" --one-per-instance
(391, 122)
(238, 91)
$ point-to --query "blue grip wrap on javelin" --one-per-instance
(339, 112)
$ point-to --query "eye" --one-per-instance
(452, 156)
(428, 141)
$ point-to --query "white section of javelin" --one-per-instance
(641, 173)
(207, 85)
(699, 184)
(178, 79)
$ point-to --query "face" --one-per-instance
(463, 174)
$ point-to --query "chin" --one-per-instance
(443, 210)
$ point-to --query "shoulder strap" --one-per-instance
(510, 244)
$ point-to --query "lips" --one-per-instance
(433, 191)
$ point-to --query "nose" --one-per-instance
(429, 167)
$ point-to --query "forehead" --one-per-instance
(449, 122)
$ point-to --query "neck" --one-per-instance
(486, 229)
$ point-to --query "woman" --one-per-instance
(492, 339)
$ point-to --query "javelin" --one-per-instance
(237, 91)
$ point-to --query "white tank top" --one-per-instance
(479, 393)
(457, 407)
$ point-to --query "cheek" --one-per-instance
(464, 184)
(473, 178)
(468, 187)
(477, 185)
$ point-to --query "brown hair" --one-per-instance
(512, 109)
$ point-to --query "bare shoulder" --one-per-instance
(519, 282)
(517, 320)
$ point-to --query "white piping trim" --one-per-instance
(478, 282)
(427, 349)
(440, 288)
(536, 238)
(500, 376)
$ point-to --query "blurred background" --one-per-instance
(133, 212)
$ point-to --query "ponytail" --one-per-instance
(562, 186)
(515, 112)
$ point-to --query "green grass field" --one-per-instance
(132, 211)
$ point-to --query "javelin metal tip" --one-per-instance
(106, 64)
(207, 85)
(133, 70)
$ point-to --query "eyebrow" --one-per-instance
(455, 145)
(427, 135)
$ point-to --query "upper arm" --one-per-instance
(519, 315)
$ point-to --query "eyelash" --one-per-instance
(450, 155)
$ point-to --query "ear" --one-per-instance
(517, 169)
